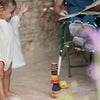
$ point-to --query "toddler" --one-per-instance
(7, 44)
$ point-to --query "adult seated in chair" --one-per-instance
(77, 30)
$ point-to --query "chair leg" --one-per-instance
(59, 64)
(90, 58)
(61, 49)
(68, 63)
(60, 57)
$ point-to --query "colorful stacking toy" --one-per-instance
(55, 80)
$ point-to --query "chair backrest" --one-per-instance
(64, 5)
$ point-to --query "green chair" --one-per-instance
(70, 45)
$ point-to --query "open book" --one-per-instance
(83, 12)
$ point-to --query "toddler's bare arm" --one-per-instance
(23, 10)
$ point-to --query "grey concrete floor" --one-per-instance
(32, 82)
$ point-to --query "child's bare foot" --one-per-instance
(11, 94)
(4, 98)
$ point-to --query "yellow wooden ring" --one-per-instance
(63, 85)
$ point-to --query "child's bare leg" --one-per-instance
(7, 82)
(2, 92)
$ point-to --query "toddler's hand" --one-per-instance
(24, 8)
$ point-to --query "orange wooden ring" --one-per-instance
(54, 77)
(55, 92)
(54, 95)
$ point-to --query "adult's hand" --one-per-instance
(58, 7)
(64, 11)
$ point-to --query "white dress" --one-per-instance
(6, 43)
(18, 58)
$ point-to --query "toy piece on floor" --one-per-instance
(55, 80)
(63, 84)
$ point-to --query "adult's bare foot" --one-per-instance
(12, 94)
